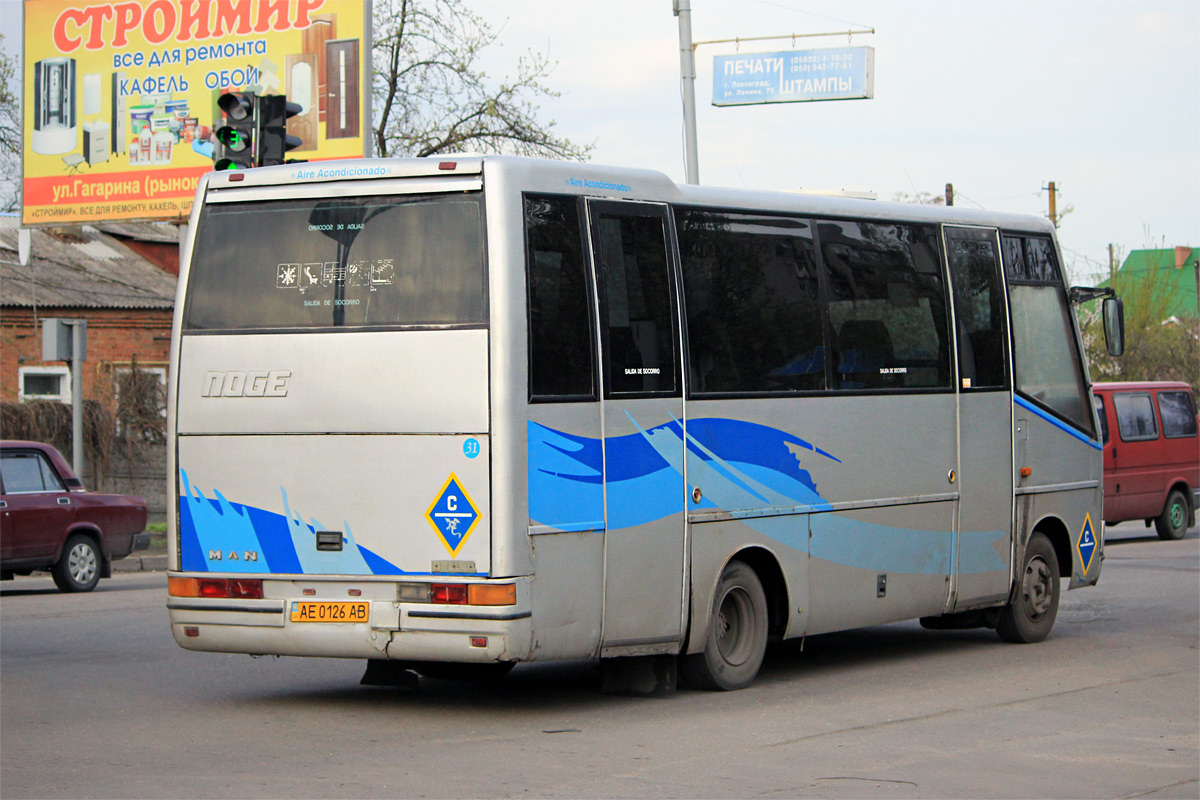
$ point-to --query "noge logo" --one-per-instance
(255, 383)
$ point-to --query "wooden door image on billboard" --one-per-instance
(341, 83)
(312, 39)
(302, 90)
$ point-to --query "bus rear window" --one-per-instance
(412, 260)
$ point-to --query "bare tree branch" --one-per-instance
(10, 132)
(429, 97)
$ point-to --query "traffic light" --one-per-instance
(238, 139)
(274, 111)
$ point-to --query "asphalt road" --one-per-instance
(97, 701)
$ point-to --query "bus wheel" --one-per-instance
(79, 568)
(1172, 523)
(737, 633)
(1030, 615)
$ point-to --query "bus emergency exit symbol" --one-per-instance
(453, 515)
(1087, 543)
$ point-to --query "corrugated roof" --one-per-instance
(1175, 284)
(163, 232)
(87, 269)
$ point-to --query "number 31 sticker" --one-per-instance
(471, 447)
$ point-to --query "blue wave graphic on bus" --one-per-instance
(740, 465)
(217, 535)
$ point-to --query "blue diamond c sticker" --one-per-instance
(453, 515)
(1086, 545)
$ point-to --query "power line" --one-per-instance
(809, 13)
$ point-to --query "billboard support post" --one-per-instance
(687, 77)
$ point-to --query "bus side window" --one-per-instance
(1045, 357)
(636, 304)
(887, 307)
(753, 306)
(978, 308)
(561, 364)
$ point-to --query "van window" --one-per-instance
(1178, 414)
(1135, 417)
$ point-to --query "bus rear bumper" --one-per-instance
(392, 630)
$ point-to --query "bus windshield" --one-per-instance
(345, 262)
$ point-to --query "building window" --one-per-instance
(44, 383)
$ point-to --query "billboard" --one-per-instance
(796, 76)
(120, 98)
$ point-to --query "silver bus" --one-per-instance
(466, 412)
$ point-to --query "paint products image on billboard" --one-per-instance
(121, 98)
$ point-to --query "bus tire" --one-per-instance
(737, 633)
(1172, 522)
(1029, 616)
(78, 569)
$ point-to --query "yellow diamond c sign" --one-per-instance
(453, 515)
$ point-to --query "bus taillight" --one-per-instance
(454, 594)
(243, 588)
(474, 594)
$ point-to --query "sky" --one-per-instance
(998, 97)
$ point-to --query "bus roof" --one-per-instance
(622, 183)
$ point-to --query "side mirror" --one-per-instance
(1114, 325)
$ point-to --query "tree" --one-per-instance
(10, 132)
(430, 97)
(1158, 345)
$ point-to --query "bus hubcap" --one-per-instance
(1037, 589)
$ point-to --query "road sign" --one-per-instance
(795, 76)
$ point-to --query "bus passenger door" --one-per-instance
(985, 511)
(644, 551)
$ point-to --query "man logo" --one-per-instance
(256, 383)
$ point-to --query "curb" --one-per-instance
(141, 564)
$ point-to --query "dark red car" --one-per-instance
(1151, 453)
(49, 521)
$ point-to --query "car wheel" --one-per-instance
(79, 568)
(1030, 615)
(1172, 523)
(737, 633)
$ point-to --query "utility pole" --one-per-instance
(1053, 203)
(949, 194)
(687, 76)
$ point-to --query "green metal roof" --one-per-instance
(1153, 272)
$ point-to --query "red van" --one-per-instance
(1151, 454)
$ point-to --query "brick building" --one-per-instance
(79, 274)
(83, 273)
